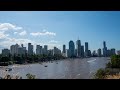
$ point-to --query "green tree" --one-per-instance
(5, 59)
(115, 61)
(101, 73)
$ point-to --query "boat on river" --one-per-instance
(45, 65)
(8, 69)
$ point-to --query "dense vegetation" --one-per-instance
(101, 73)
(21, 59)
(113, 64)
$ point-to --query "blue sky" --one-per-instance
(56, 28)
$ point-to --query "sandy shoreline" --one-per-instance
(117, 76)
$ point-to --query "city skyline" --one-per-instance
(78, 51)
(57, 28)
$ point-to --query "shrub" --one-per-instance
(101, 73)
(30, 76)
(108, 65)
(115, 62)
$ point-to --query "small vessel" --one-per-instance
(45, 65)
(8, 69)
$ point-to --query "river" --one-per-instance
(62, 69)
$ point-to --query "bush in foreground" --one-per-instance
(29, 76)
(115, 62)
(101, 74)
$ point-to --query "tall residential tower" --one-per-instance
(71, 49)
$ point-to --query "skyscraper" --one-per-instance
(56, 51)
(5, 52)
(50, 52)
(113, 51)
(94, 53)
(78, 47)
(64, 49)
(99, 52)
(71, 49)
(86, 49)
(37, 49)
(14, 49)
(41, 50)
(24, 50)
(104, 49)
(30, 49)
(45, 49)
(82, 51)
(67, 53)
(89, 53)
(108, 53)
(21, 45)
(20, 51)
(76, 52)
(104, 44)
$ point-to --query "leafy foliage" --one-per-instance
(115, 62)
(30, 76)
(101, 73)
(20, 59)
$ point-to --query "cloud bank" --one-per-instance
(23, 33)
(6, 38)
(8, 26)
(43, 33)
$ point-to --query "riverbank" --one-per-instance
(24, 64)
(40, 62)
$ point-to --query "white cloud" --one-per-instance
(15, 32)
(8, 26)
(23, 33)
(6, 41)
(43, 33)
(3, 35)
(53, 41)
